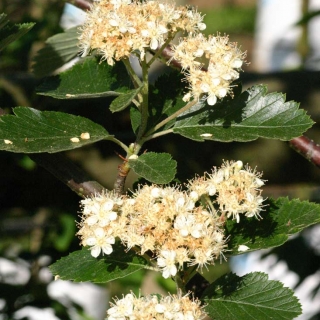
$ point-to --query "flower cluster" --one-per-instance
(166, 221)
(235, 189)
(179, 227)
(221, 59)
(117, 28)
(99, 215)
(151, 307)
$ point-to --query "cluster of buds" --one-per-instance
(118, 28)
(179, 227)
(152, 307)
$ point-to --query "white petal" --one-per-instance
(194, 195)
(211, 189)
(173, 270)
(196, 233)
(92, 220)
(113, 23)
(198, 53)
(99, 232)
(166, 273)
(212, 99)
(107, 249)
(202, 26)
(180, 202)
(216, 81)
(145, 33)
(154, 43)
(259, 182)
(95, 251)
(161, 262)
(123, 29)
(204, 87)
(155, 193)
(184, 232)
(90, 241)
(108, 205)
(110, 240)
(160, 308)
(113, 215)
(222, 92)
(132, 30)
(237, 63)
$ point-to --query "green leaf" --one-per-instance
(281, 219)
(123, 101)
(33, 131)
(165, 99)
(81, 266)
(89, 79)
(155, 167)
(58, 50)
(252, 296)
(10, 32)
(251, 115)
(135, 117)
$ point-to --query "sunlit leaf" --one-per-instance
(280, 219)
(58, 50)
(89, 79)
(155, 167)
(80, 266)
(33, 131)
(123, 101)
(251, 115)
(252, 296)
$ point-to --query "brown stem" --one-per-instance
(83, 4)
(167, 54)
(307, 148)
(123, 171)
(67, 172)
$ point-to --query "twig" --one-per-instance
(307, 148)
(82, 4)
(67, 172)
(123, 171)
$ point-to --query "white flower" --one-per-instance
(175, 307)
(187, 225)
(166, 261)
(100, 241)
(122, 308)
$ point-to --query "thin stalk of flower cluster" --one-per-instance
(180, 284)
(158, 53)
(145, 101)
(156, 135)
(205, 201)
(134, 77)
(120, 144)
(173, 116)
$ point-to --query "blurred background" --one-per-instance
(38, 212)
